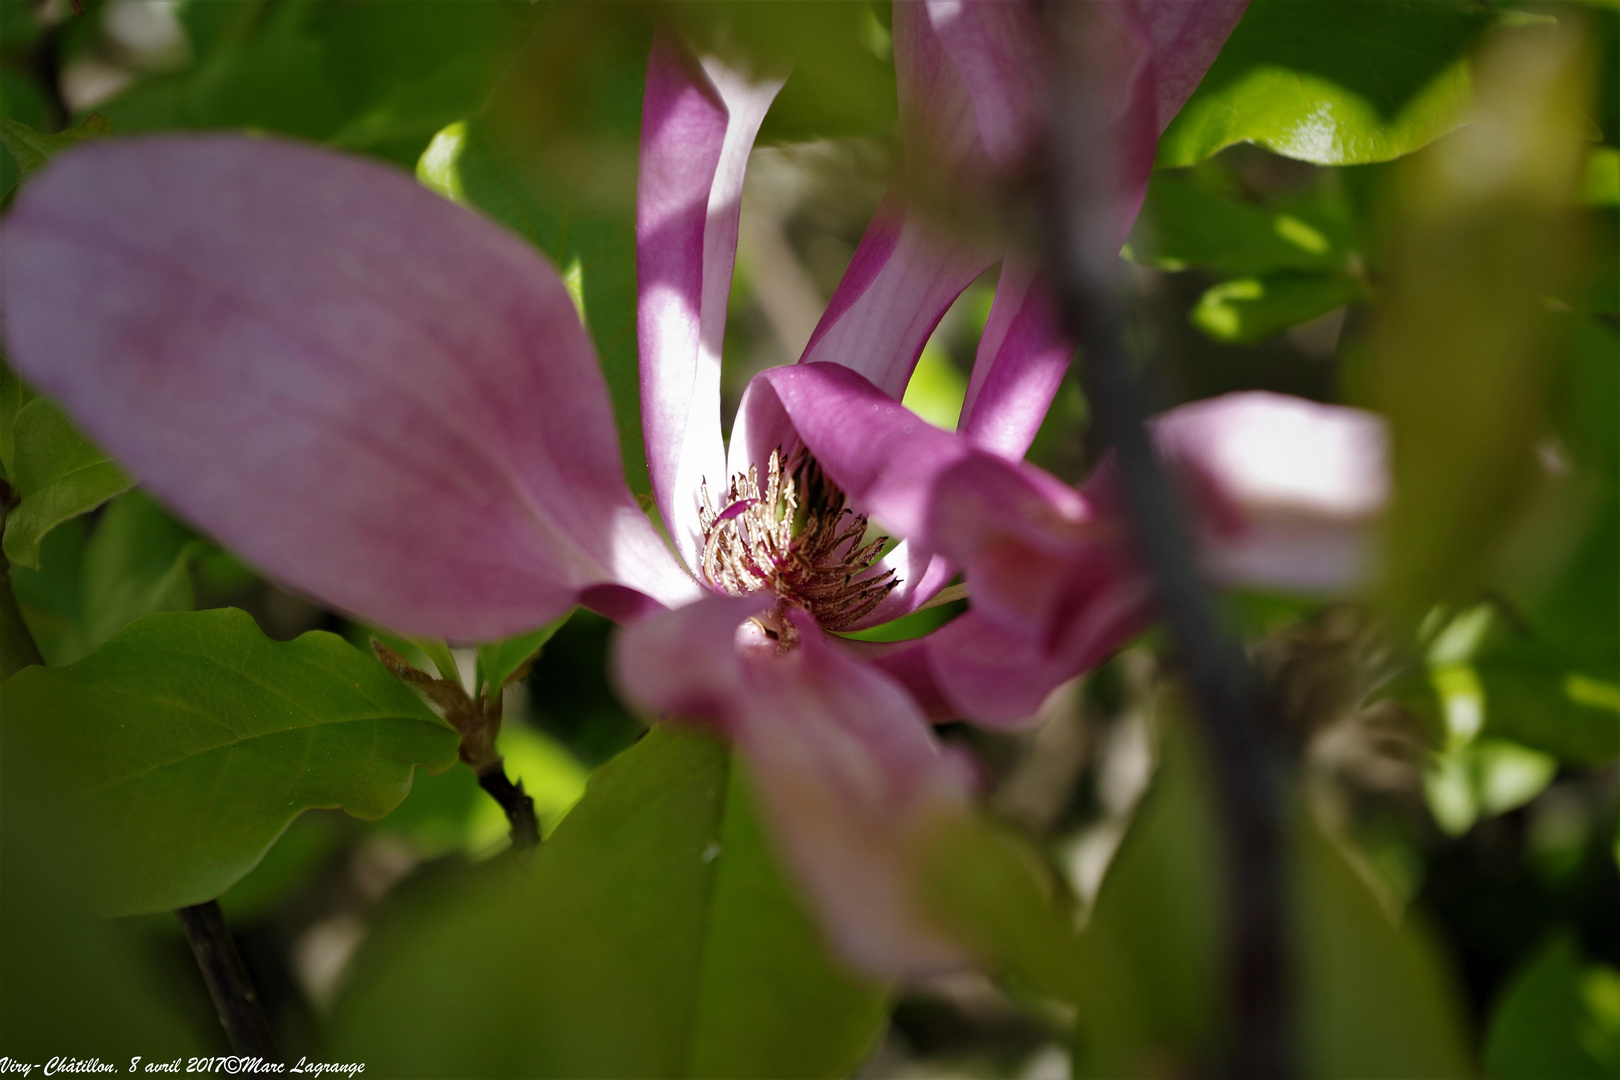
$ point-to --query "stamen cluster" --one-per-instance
(809, 555)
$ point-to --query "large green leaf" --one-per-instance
(58, 473)
(1557, 1016)
(1374, 997)
(653, 936)
(1337, 84)
(192, 740)
(14, 394)
(69, 979)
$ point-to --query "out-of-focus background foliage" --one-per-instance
(1320, 224)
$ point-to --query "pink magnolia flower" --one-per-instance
(389, 403)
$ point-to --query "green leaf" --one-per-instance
(840, 81)
(138, 561)
(653, 936)
(1374, 997)
(58, 473)
(1547, 1022)
(500, 661)
(71, 979)
(192, 740)
(14, 394)
(1252, 309)
(1336, 84)
(1187, 220)
(33, 149)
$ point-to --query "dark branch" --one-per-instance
(1079, 188)
(227, 979)
(518, 806)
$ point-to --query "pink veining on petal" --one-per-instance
(377, 397)
(698, 126)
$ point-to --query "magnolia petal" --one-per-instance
(996, 51)
(1019, 366)
(698, 126)
(1186, 39)
(1290, 492)
(902, 280)
(845, 765)
(376, 397)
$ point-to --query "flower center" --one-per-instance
(796, 539)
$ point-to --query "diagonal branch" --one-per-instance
(1080, 186)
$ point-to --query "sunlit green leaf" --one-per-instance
(652, 937)
(58, 473)
(1252, 309)
(1188, 221)
(1336, 84)
(192, 740)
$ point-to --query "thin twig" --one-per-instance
(519, 807)
(227, 979)
(1080, 189)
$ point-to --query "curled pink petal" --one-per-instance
(378, 398)
(902, 280)
(847, 770)
(1021, 360)
(698, 126)
(1290, 492)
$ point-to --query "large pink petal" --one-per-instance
(848, 772)
(698, 126)
(373, 395)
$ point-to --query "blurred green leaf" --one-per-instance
(73, 983)
(998, 895)
(1377, 998)
(1547, 1023)
(1336, 84)
(32, 149)
(840, 80)
(1479, 236)
(1374, 997)
(1247, 310)
(193, 740)
(653, 936)
(59, 475)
